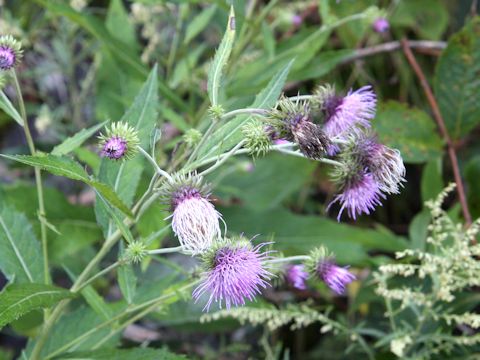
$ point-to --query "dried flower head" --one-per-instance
(357, 108)
(234, 271)
(323, 265)
(194, 219)
(10, 52)
(257, 138)
(119, 142)
(296, 276)
(295, 124)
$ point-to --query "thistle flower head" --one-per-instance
(360, 193)
(357, 108)
(296, 276)
(10, 52)
(136, 252)
(234, 272)
(381, 25)
(323, 265)
(194, 219)
(296, 125)
(257, 138)
(120, 141)
(385, 164)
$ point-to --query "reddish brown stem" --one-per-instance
(443, 129)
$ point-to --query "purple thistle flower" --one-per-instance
(10, 52)
(296, 276)
(381, 25)
(297, 20)
(7, 58)
(343, 113)
(114, 148)
(360, 195)
(194, 220)
(234, 272)
(385, 164)
(334, 276)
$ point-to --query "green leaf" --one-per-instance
(220, 59)
(472, 174)
(197, 25)
(119, 24)
(230, 133)
(260, 189)
(457, 84)
(63, 166)
(9, 109)
(124, 354)
(127, 281)
(19, 299)
(429, 18)
(418, 229)
(298, 234)
(20, 253)
(410, 130)
(432, 182)
(72, 143)
(124, 177)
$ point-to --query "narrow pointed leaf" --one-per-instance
(72, 143)
(9, 109)
(221, 59)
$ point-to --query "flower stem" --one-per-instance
(155, 165)
(38, 180)
(299, 154)
(224, 159)
(289, 259)
(165, 250)
(100, 273)
(244, 111)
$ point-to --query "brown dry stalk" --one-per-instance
(443, 129)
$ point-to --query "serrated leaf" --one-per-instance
(20, 253)
(9, 109)
(63, 166)
(220, 60)
(124, 354)
(457, 81)
(19, 299)
(199, 23)
(410, 130)
(124, 177)
(73, 142)
(230, 133)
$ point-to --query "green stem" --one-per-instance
(224, 159)
(100, 273)
(299, 154)
(38, 180)
(289, 259)
(165, 250)
(202, 141)
(155, 165)
(250, 111)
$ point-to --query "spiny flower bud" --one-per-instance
(119, 142)
(216, 112)
(296, 276)
(192, 137)
(136, 252)
(194, 219)
(234, 271)
(296, 125)
(323, 265)
(257, 139)
(343, 113)
(10, 52)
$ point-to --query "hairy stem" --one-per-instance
(289, 259)
(38, 180)
(155, 165)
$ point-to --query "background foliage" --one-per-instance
(147, 62)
